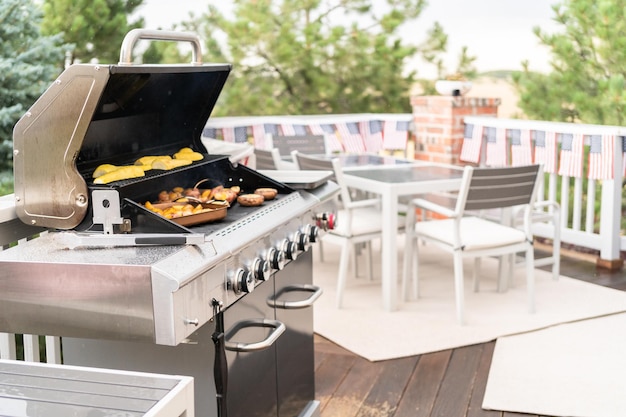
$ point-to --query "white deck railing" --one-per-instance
(576, 228)
(30, 343)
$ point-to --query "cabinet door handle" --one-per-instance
(307, 302)
(277, 327)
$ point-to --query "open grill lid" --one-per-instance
(95, 114)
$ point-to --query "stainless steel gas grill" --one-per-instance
(227, 302)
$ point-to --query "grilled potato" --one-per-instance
(250, 200)
(267, 193)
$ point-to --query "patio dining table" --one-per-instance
(393, 181)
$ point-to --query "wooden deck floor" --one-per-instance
(449, 383)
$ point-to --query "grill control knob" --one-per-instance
(242, 281)
(302, 239)
(290, 249)
(261, 269)
(314, 233)
(276, 258)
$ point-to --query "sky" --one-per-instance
(498, 32)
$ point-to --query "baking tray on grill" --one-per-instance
(199, 213)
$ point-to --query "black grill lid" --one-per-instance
(94, 114)
(151, 110)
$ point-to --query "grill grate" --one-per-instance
(260, 215)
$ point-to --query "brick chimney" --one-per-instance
(439, 124)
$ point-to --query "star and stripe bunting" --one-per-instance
(545, 150)
(259, 131)
(209, 132)
(289, 129)
(566, 154)
(521, 147)
(496, 153)
(330, 136)
(351, 137)
(395, 134)
(238, 134)
(472, 143)
(372, 132)
(601, 157)
(571, 160)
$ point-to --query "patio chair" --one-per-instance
(358, 221)
(267, 158)
(545, 212)
(475, 237)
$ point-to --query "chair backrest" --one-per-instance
(265, 158)
(309, 162)
(489, 188)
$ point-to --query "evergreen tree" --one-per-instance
(588, 63)
(311, 56)
(95, 27)
(28, 64)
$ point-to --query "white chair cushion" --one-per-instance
(476, 233)
(365, 220)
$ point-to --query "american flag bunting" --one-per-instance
(237, 134)
(259, 131)
(395, 134)
(571, 159)
(545, 150)
(472, 143)
(372, 131)
(330, 136)
(521, 147)
(496, 147)
(289, 129)
(350, 136)
(601, 157)
(209, 132)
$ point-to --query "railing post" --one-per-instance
(53, 349)
(611, 213)
(7, 346)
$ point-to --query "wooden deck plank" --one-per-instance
(354, 389)
(449, 383)
(475, 408)
(456, 387)
(420, 394)
(386, 393)
(329, 375)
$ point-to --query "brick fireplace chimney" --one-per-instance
(439, 124)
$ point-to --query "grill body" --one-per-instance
(161, 308)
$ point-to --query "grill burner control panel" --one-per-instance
(257, 262)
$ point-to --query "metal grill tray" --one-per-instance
(299, 180)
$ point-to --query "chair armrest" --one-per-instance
(363, 203)
(430, 206)
(547, 203)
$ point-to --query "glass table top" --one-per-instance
(408, 173)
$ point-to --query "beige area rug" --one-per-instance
(575, 369)
(429, 324)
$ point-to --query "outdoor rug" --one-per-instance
(429, 323)
(575, 369)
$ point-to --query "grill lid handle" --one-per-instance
(135, 35)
